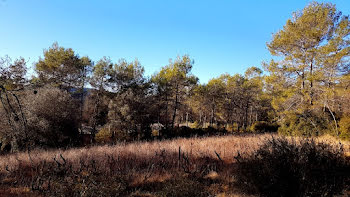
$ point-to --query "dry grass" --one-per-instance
(225, 146)
(146, 167)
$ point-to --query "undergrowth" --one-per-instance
(283, 167)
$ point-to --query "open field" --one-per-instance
(194, 166)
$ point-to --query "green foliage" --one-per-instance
(130, 110)
(101, 74)
(173, 84)
(232, 127)
(129, 114)
(344, 126)
(314, 47)
(305, 124)
(62, 67)
(306, 90)
(195, 125)
(236, 99)
(103, 136)
(286, 168)
(128, 75)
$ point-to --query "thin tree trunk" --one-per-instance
(303, 84)
(250, 115)
(246, 116)
(335, 121)
(187, 119)
(175, 106)
(82, 98)
(311, 85)
(212, 117)
(96, 111)
(212, 113)
(166, 106)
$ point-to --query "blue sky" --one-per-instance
(224, 36)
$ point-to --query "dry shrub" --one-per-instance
(52, 117)
(284, 167)
(4, 130)
(177, 167)
(183, 186)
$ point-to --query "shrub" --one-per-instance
(181, 132)
(52, 116)
(307, 123)
(103, 136)
(344, 126)
(11, 122)
(262, 126)
(195, 125)
(232, 127)
(286, 168)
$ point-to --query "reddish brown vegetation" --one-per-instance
(179, 167)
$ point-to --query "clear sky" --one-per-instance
(220, 35)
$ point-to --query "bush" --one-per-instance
(262, 126)
(232, 127)
(181, 132)
(52, 116)
(307, 123)
(103, 136)
(286, 168)
(195, 125)
(344, 126)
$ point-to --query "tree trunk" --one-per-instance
(212, 113)
(246, 116)
(311, 85)
(335, 121)
(187, 119)
(166, 106)
(96, 111)
(212, 117)
(175, 106)
(82, 97)
(303, 79)
(250, 115)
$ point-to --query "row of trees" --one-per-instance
(233, 100)
(70, 92)
(306, 90)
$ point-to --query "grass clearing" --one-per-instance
(178, 167)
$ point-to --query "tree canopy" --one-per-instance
(61, 67)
